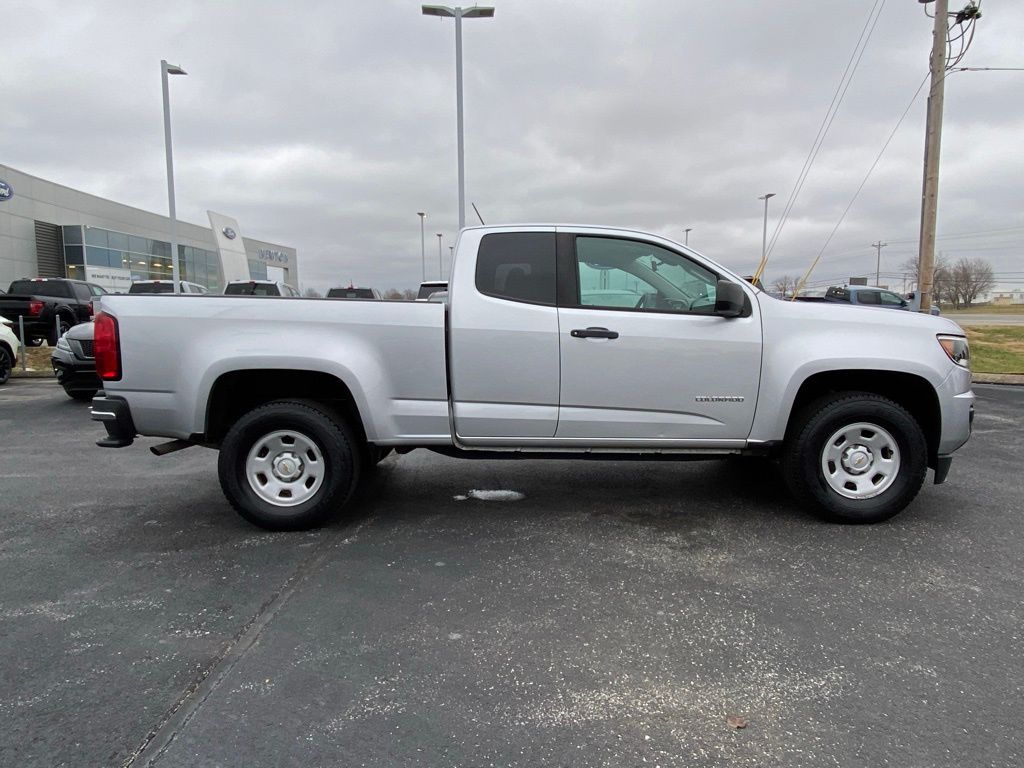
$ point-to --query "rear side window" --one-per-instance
(867, 297)
(57, 289)
(428, 290)
(82, 291)
(519, 266)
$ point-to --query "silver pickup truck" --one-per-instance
(555, 342)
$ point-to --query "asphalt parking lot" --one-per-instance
(615, 615)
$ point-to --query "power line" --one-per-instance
(830, 116)
(866, 177)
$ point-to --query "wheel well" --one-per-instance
(238, 392)
(908, 390)
(6, 348)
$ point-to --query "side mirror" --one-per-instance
(729, 299)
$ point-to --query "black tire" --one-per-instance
(84, 396)
(65, 326)
(6, 365)
(807, 467)
(340, 454)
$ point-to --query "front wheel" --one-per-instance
(289, 466)
(856, 458)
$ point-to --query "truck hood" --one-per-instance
(834, 312)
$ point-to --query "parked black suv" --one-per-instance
(49, 306)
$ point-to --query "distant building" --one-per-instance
(49, 230)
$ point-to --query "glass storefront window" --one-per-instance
(72, 254)
(95, 236)
(72, 235)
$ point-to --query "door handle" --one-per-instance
(593, 333)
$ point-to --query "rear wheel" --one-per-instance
(289, 466)
(6, 365)
(856, 458)
(64, 324)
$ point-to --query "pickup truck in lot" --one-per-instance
(48, 306)
(529, 359)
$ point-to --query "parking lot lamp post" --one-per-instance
(764, 237)
(476, 12)
(423, 243)
(687, 235)
(440, 268)
(165, 70)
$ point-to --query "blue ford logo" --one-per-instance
(6, 191)
(229, 233)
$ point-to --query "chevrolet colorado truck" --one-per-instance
(555, 342)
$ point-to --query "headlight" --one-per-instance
(957, 349)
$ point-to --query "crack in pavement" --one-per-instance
(160, 736)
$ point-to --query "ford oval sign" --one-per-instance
(229, 233)
(6, 191)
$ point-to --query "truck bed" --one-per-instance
(391, 353)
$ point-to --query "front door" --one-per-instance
(643, 358)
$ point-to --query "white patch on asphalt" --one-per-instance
(491, 495)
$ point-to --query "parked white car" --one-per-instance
(9, 348)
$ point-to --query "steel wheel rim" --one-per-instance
(860, 461)
(285, 468)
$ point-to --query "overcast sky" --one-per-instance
(328, 125)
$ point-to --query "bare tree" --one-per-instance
(941, 283)
(392, 295)
(409, 294)
(785, 284)
(969, 279)
(312, 293)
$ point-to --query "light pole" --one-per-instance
(165, 70)
(440, 268)
(687, 235)
(423, 243)
(764, 237)
(477, 12)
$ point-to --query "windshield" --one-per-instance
(151, 288)
(40, 288)
(252, 289)
(350, 293)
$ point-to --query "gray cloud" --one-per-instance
(328, 125)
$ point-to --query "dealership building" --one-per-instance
(49, 230)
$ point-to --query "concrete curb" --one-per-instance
(998, 378)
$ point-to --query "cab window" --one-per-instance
(615, 273)
(519, 266)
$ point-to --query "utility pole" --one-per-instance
(932, 151)
(878, 261)
(440, 266)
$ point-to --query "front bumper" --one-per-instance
(75, 375)
(116, 416)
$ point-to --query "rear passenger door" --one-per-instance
(503, 350)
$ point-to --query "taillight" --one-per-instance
(106, 347)
(35, 308)
(92, 310)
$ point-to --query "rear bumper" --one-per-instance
(116, 416)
